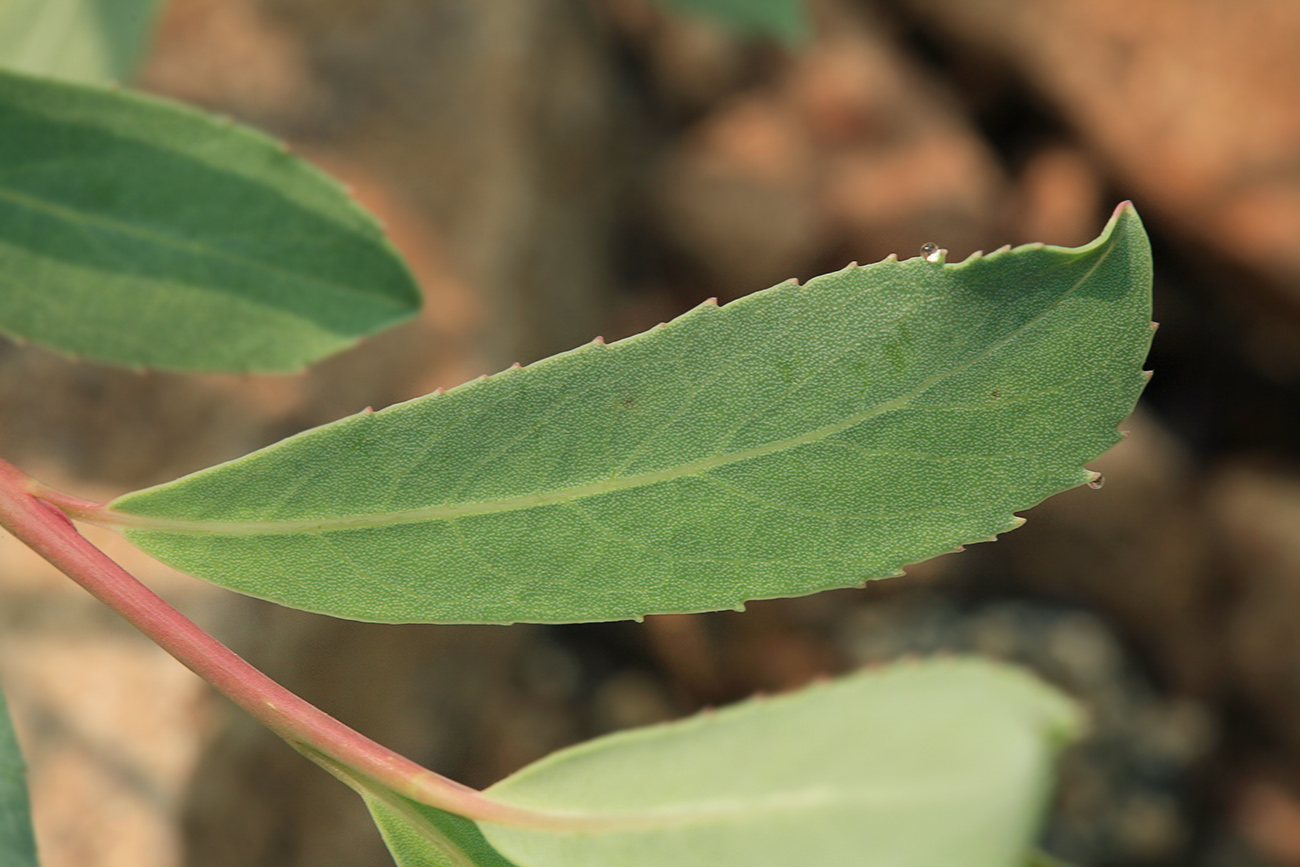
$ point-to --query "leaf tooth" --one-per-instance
(439, 390)
(1147, 374)
(892, 257)
(516, 366)
(1155, 326)
(370, 410)
(598, 341)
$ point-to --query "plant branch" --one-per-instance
(28, 511)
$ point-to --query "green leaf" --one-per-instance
(88, 40)
(17, 840)
(421, 836)
(918, 765)
(786, 20)
(800, 438)
(416, 834)
(138, 232)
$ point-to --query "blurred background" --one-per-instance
(558, 169)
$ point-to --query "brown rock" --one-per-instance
(1192, 105)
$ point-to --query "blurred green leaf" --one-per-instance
(786, 20)
(139, 232)
(798, 439)
(17, 841)
(919, 765)
(88, 40)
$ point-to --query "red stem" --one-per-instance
(49, 532)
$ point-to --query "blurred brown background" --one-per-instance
(557, 169)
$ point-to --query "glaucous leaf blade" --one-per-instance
(139, 232)
(800, 438)
(17, 840)
(916, 765)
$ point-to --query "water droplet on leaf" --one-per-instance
(1096, 481)
(932, 252)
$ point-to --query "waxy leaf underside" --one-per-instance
(800, 438)
(138, 232)
(917, 765)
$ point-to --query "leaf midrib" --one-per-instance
(808, 799)
(81, 220)
(450, 512)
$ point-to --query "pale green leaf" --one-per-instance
(17, 841)
(139, 232)
(784, 19)
(800, 438)
(89, 40)
(919, 765)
